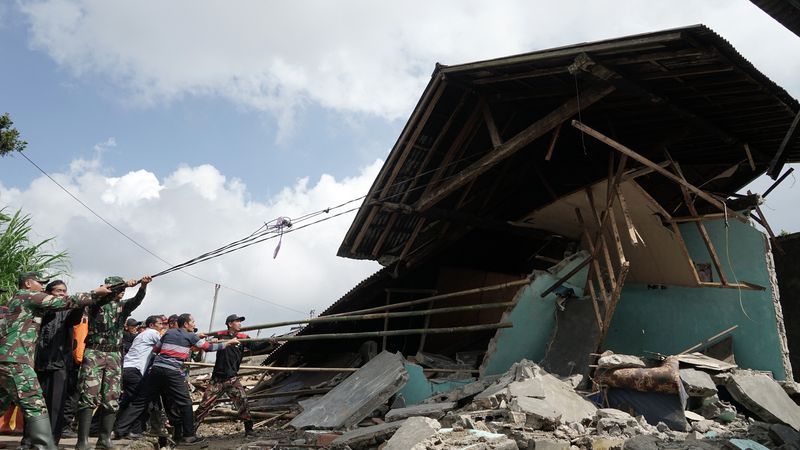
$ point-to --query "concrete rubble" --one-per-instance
(529, 408)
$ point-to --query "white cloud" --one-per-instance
(189, 212)
(356, 57)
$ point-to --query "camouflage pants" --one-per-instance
(100, 380)
(19, 384)
(215, 391)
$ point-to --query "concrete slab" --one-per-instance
(698, 383)
(434, 410)
(614, 361)
(364, 434)
(539, 414)
(357, 396)
(413, 431)
(764, 397)
(784, 435)
(528, 388)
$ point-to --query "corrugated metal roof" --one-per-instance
(787, 12)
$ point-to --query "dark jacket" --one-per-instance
(54, 346)
(229, 359)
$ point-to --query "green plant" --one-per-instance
(18, 253)
(9, 137)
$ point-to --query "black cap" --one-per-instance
(233, 317)
(38, 276)
(131, 322)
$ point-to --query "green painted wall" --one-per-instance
(418, 387)
(671, 320)
(533, 318)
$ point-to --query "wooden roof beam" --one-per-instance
(537, 129)
(776, 165)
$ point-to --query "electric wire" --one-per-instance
(142, 247)
(257, 236)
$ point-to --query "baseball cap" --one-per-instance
(36, 275)
(233, 317)
(131, 322)
(113, 280)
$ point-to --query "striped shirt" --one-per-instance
(176, 347)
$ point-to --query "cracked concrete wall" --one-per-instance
(670, 320)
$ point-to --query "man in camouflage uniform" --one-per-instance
(100, 376)
(18, 333)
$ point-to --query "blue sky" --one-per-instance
(189, 123)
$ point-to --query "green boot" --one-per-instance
(39, 432)
(106, 427)
(84, 417)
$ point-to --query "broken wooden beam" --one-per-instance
(708, 341)
(566, 277)
(316, 369)
(776, 165)
(657, 168)
(571, 107)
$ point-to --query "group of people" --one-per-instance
(118, 372)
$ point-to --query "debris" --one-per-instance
(413, 431)
(745, 444)
(613, 361)
(357, 396)
(539, 413)
(697, 383)
(433, 410)
(784, 435)
(764, 397)
(702, 361)
(368, 434)
(664, 379)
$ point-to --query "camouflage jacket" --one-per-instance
(19, 325)
(107, 321)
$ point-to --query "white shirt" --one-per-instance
(141, 349)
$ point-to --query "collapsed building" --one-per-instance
(626, 156)
(556, 207)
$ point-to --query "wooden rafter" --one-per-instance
(494, 135)
(588, 97)
(782, 154)
(552, 145)
(656, 168)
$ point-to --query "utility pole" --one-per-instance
(213, 310)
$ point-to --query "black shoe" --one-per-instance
(193, 441)
(68, 434)
(248, 428)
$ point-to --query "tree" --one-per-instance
(9, 137)
(18, 253)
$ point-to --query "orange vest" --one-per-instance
(80, 331)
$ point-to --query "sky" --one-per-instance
(189, 124)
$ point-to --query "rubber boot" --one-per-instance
(248, 428)
(84, 417)
(39, 432)
(107, 420)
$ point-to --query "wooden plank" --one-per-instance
(782, 154)
(372, 334)
(552, 145)
(604, 241)
(626, 215)
(594, 251)
(494, 135)
(749, 154)
(623, 272)
(740, 285)
(566, 277)
(614, 232)
(537, 129)
(701, 228)
(595, 306)
(641, 159)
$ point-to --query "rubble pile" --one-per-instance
(714, 405)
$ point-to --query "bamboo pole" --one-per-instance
(320, 369)
(329, 319)
(297, 393)
(368, 334)
(495, 287)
